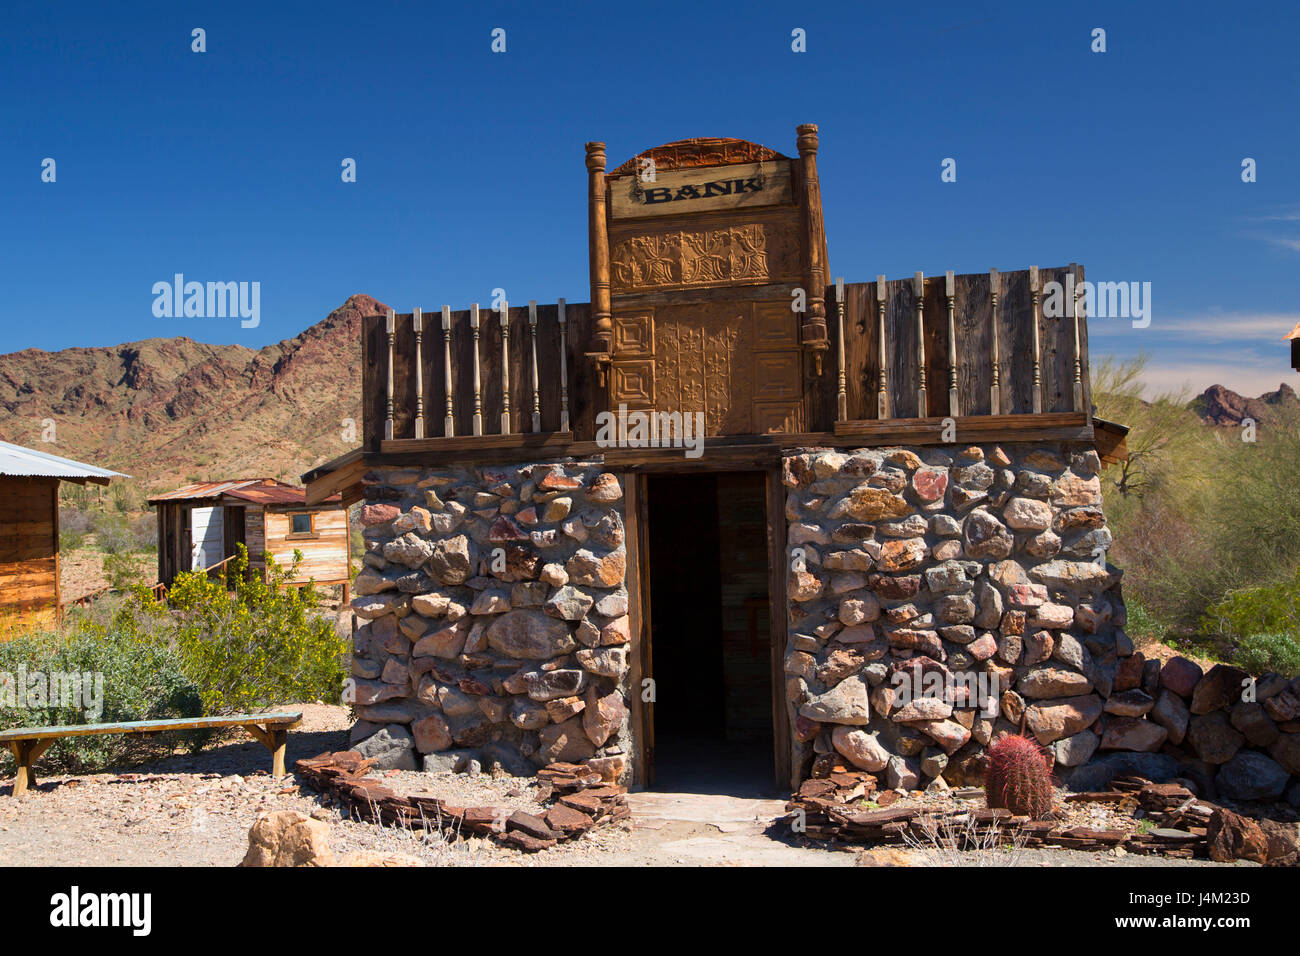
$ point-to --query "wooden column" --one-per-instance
(478, 395)
(922, 398)
(417, 326)
(601, 345)
(1034, 292)
(391, 328)
(882, 382)
(449, 422)
(995, 389)
(950, 293)
(813, 332)
(537, 399)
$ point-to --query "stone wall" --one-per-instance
(496, 619)
(983, 574)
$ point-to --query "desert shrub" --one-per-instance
(142, 679)
(260, 645)
(1266, 609)
(112, 533)
(144, 531)
(122, 571)
(1268, 654)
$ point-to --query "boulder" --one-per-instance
(288, 838)
(1251, 776)
(530, 635)
(1213, 738)
(845, 703)
(1046, 681)
(1221, 687)
(1180, 676)
(860, 748)
(1133, 733)
(1170, 712)
(392, 748)
(1233, 837)
(1053, 720)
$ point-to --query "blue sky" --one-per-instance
(225, 165)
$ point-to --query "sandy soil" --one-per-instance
(195, 810)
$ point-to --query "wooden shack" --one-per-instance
(29, 530)
(863, 455)
(200, 525)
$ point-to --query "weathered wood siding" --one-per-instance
(255, 536)
(29, 550)
(325, 551)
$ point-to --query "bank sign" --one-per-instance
(684, 191)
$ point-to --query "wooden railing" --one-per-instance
(979, 344)
(927, 348)
(469, 374)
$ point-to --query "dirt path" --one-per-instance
(195, 810)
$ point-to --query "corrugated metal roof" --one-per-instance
(261, 491)
(17, 461)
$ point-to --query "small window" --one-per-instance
(302, 524)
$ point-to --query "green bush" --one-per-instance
(142, 679)
(262, 645)
(1267, 609)
(1268, 654)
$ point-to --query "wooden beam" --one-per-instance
(391, 328)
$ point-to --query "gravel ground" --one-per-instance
(195, 810)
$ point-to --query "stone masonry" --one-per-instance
(496, 619)
(938, 601)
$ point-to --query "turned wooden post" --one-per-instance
(950, 293)
(505, 367)
(922, 399)
(478, 395)
(995, 389)
(449, 423)
(812, 334)
(391, 328)
(417, 325)
(564, 369)
(882, 382)
(537, 399)
(1078, 348)
(1034, 292)
(601, 347)
(842, 404)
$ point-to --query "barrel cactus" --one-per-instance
(1018, 777)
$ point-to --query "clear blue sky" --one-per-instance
(225, 165)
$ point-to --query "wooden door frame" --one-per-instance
(639, 585)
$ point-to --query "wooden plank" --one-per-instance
(782, 712)
(638, 589)
(284, 719)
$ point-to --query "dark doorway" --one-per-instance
(710, 649)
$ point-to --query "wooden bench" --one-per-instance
(28, 743)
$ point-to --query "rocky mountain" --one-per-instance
(1222, 406)
(168, 411)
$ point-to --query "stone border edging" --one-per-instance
(583, 801)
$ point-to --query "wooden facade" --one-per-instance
(261, 515)
(30, 592)
(720, 301)
(29, 550)
(711, 295)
